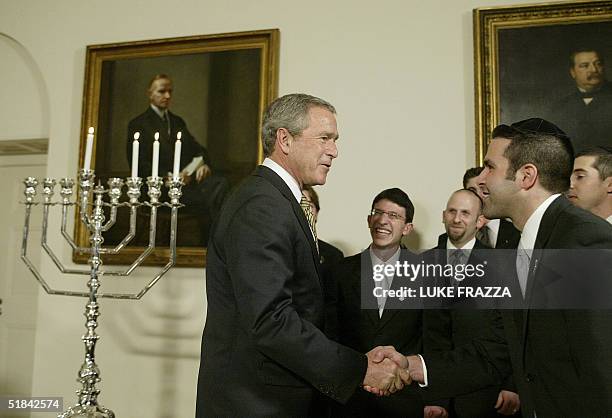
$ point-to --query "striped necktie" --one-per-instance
(305, 204)
(484, 235)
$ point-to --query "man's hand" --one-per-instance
(395, 364)
(185, 178)
(202, 172)
(508, 403)
(380, 353)
(415, 368)
(434, 411)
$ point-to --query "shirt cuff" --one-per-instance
(425, 380)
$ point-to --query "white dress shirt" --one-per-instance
(493, 226)
(388, 280)
(287, 178)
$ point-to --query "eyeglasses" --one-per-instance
(391, 215)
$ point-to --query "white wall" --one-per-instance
(399, 72)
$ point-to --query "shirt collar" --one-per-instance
(159, 111)
(468, 245)
(532, 226)
(493, 226)
(287, 178)
(392, 260)
(610, 219)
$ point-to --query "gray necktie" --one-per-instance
(386, 285)
(523, 259)
(455, 258)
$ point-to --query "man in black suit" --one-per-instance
(330, 257)
(263, 350)
(584, 114)
(366, 321)
(204, 190)
(496, 233)
(460, 323)
(561, 359)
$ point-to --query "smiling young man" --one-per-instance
(459, 325)
(366, 321)
(496, 233)
(591, 182)
(560, 358)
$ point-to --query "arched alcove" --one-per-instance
(24, 112)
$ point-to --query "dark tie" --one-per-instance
(588, 94)
(166, 122)
(483, 235)
(305, 204)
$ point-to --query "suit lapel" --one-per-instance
(278, 182)
(155, 120)
(546, 228)
(508, 236)
(365, 276)
(392, 305)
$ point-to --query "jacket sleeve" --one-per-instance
(261, 251)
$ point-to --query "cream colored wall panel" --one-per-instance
(25, 106)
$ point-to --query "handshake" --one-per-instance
(389, 371)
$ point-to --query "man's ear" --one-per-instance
(608, 184)
(480, 221)
(573, 73)
(283, 140)
(526, 176)
(407, 229)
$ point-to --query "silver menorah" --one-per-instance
(90, 206)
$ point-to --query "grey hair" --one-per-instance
(289, 112)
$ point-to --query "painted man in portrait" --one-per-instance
(586, 113)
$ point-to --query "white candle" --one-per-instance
(155, 169)
(135, 149)
(88, 149)
(177, 156)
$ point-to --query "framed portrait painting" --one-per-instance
(546, 61)
(209, 90)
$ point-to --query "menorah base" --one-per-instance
(87, 411)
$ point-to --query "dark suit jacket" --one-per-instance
(147, 123)
(562, 359)
(508, 236)
(330, 258)
(587, 125)
(361, 328)
(263, 351)
(447, 329)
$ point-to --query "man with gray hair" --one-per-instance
(263, 349)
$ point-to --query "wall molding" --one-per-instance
(24, 146)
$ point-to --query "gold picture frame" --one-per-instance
(222, 84)
(521, 54)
